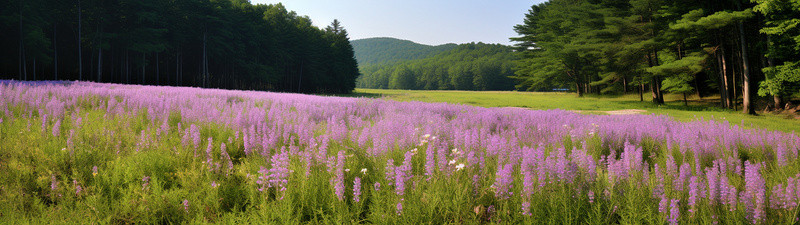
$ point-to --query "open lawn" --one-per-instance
(697, 109)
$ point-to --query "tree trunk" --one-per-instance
(55, 53)
(99, 63)
(205, 60)
(21, 43)
(127, 67)
(177, 70)
(157, 76)
(734, 96)
(113, 63)
(653, 80)
(641, 90)
(776, 97)
(181, 73)
(722, 95)
(685, 102)
(728, 103)
(578, 88)
(747, 108)
(143, 60)
(653, 90)
(300, 81)
(697, 88)
(658, 79)
(624, 85)
(80, 53)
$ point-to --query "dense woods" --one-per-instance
(731, 48)
(471, 66)
(208, 43)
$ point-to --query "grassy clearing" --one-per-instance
(697, 109)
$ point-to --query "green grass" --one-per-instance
(697, 109)
(43, 165)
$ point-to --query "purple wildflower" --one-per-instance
(263, 179)
(195, 138)
(693, 192)
(789, 200)
(186, 205)
(712, 178)
(526, 207)
(685, 173)
(209, 157)
(402, 174)
(44, 123)
(227, 158)
(753, 197)
(732, 193)
(430, 161)
(357, 189)
(377, 186)
(279, 173)
(389, 169)
(57, 128)
(662, 205)
(338, 179)
(146, 180)
(504, 181)
(476, 184)
(399, 209)
(53, 182)
(674, 212)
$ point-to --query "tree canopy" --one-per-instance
(615, 46)
(208, 43)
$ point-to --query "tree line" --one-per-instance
(729, 47)
(471, 66)
(207, 43)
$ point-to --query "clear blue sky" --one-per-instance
(430, 22)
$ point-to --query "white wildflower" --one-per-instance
(460, 166)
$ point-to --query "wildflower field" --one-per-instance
(78, 152)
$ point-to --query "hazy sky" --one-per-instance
(430, 22)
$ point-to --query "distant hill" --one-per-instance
(391, 50)
(471, 66)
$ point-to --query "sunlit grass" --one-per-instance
(704, 108)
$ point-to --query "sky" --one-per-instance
(431, 22)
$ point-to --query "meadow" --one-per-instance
(705, 108)
(82, 152)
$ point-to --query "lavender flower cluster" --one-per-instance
(684, 166)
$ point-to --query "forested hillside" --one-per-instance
(473, 66)
(392, 50)
(731, 48)
(218, 43)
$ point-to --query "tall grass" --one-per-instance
(100, 153)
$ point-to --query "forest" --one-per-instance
(732, 48)
(230, 44)
(470, 66)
